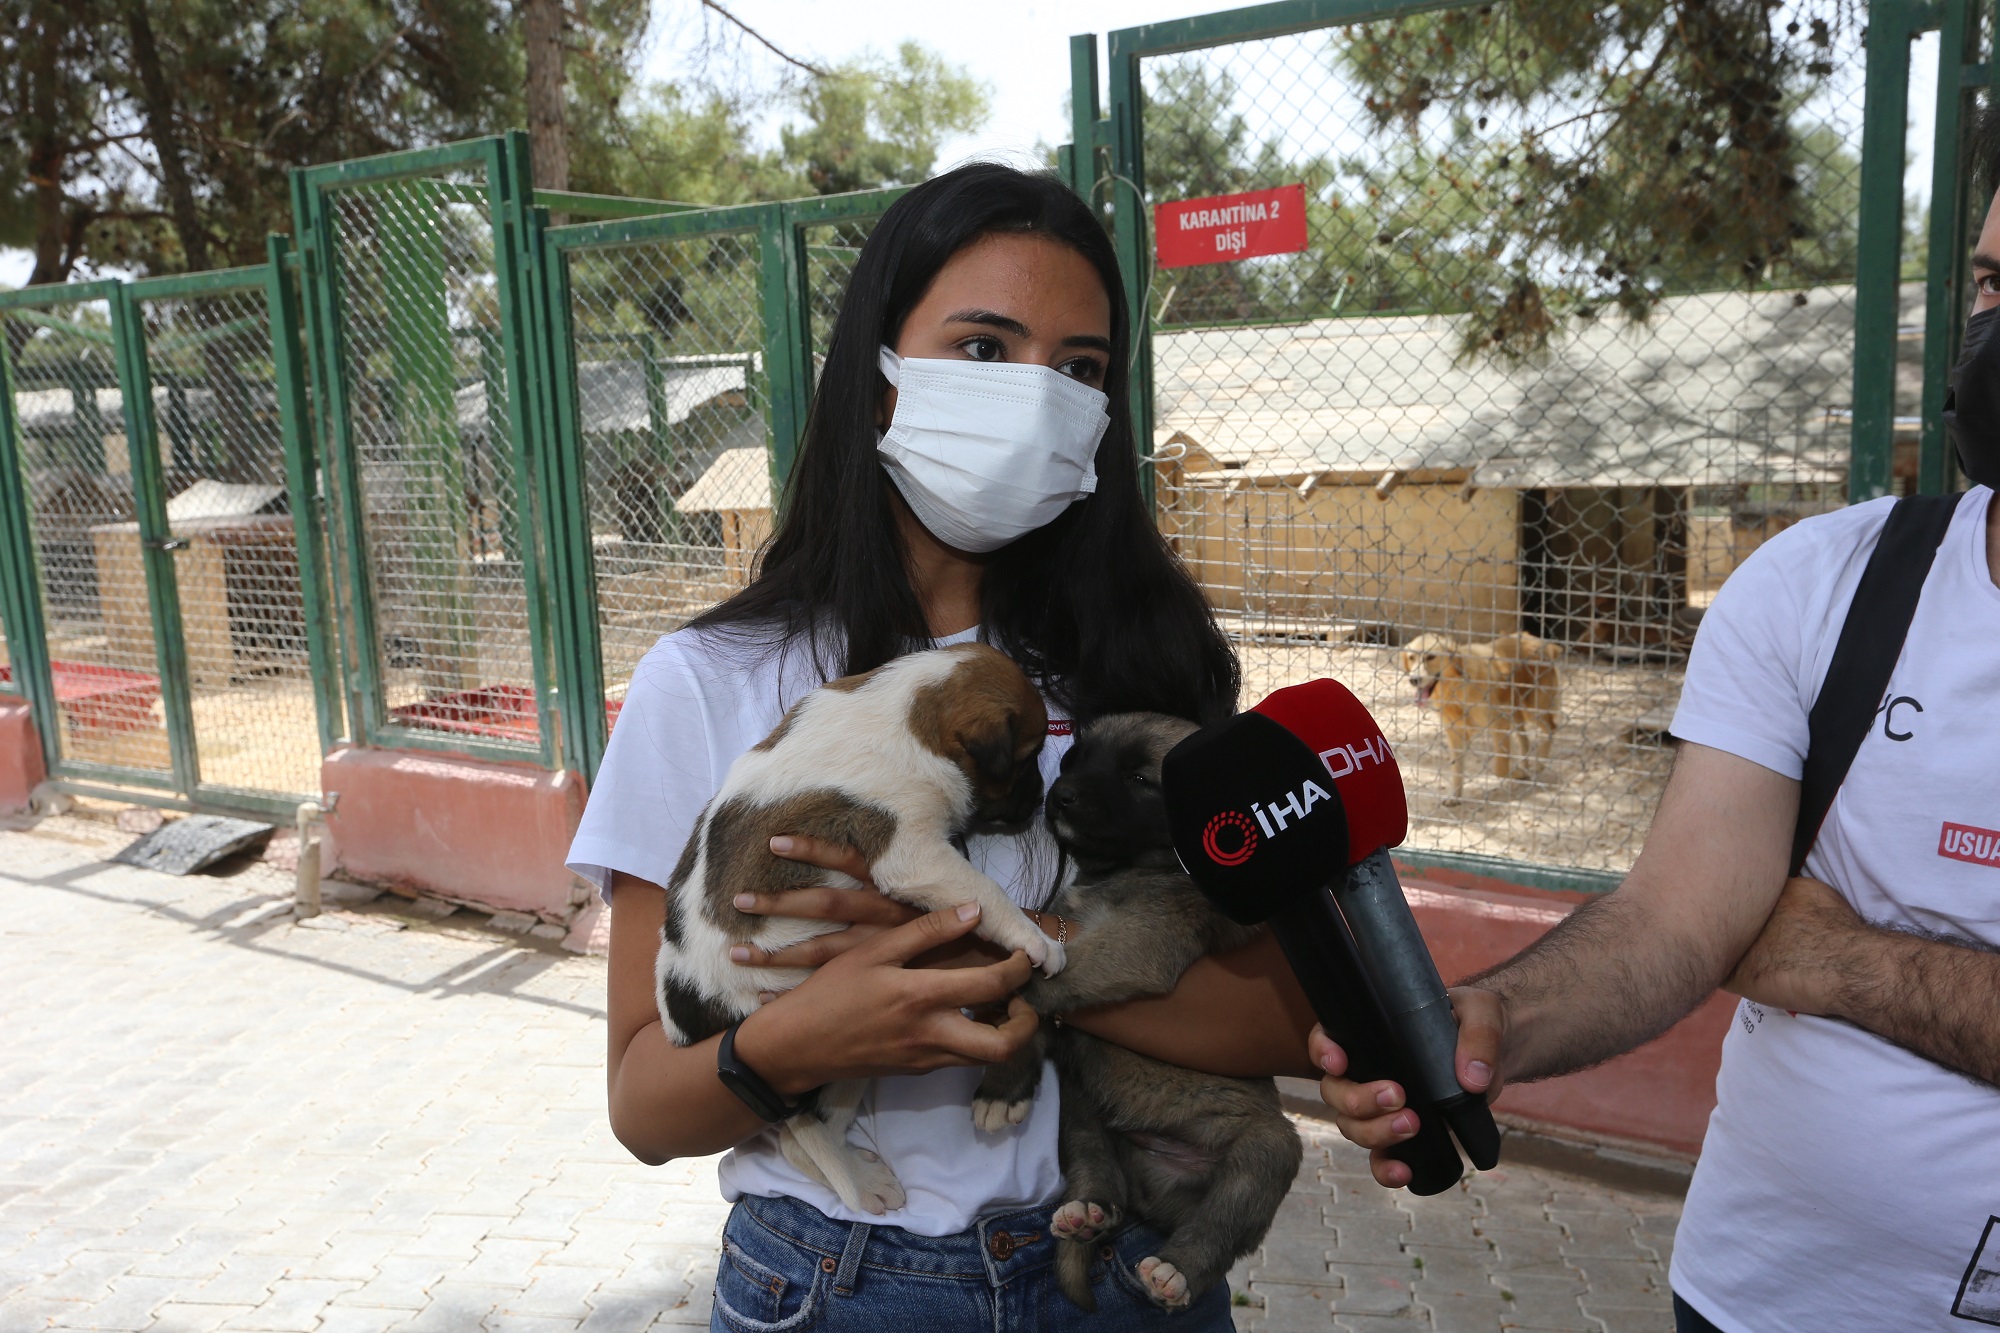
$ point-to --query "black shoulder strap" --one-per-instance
(1871, 639)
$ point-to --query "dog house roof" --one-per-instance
(615, 395)
(1717, 388)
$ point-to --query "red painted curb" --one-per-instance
(21, 769)
(467, 829)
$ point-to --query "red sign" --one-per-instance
(1231, 226)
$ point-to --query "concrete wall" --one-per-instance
(1425, 558)
(1658, 1096)
(491, 834)
(21, 769)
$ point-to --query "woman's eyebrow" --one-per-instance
(991, 319)
(1980, 259)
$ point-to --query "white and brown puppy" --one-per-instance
(1506, 689)
(898, 763)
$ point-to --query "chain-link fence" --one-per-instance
(77, 493)
(670, 405)
(831, 249)
(215, 412)
(688, 346)
(1572, 331)
(421, 338)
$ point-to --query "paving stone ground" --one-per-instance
(215, 1116)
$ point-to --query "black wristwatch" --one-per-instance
(747, 1084)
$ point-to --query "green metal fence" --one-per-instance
(685, 345)
(421, 319)
(166, 627)
(528, 449)
(1523, 377)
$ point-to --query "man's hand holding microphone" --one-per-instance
(1377, 1115)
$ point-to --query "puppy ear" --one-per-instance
(993, 752)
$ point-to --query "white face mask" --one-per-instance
(984, 452)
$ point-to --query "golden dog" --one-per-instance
(1506, 688)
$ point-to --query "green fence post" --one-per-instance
(319, 280)
(19, 609)
(565, 507)
(135, 389)
(787, 340)
(1953, 217)
(1879, 263)
(510, 185)
(302, 472)
(1130, 233)
(1085, 102)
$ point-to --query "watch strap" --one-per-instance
(747, 1084)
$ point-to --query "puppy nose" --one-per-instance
(1062, 796)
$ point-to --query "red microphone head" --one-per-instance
(1337, 726)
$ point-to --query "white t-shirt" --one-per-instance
(1846, 1183)
(699, 700)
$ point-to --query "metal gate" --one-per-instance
(418, 299)
(169, 630)
(1488, 397)
(686, 346)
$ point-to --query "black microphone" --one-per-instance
(1285, 814)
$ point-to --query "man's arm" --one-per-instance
(1927, 994)
(1623, 968)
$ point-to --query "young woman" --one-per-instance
(968, 471)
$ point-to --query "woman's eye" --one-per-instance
(983, 349)
(1987, 284)
(1083, 368)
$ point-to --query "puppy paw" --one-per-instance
(1081, 1219)
(990, 1115)
(878, 1190)
(1164, 1282)
(1052, 959)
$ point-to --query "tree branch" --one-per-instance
(766, 42)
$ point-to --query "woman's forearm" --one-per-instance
(1239, 1014)
(666, 1101)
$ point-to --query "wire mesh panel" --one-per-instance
(76, 482)
(670, 404)
(1571, 333)
(428, 430)
(831, 251)
(216, 414)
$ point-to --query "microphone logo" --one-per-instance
(1231, 826)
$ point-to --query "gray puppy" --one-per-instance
(1204, 1159)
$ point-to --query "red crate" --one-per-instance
(499, 712)
(102, 698)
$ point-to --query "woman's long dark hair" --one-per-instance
(1093, 605)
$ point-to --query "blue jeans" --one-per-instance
(1687, 1319)
(787, 1266)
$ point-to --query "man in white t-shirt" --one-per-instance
(1850, 1178)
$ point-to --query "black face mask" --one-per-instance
(1972, 402)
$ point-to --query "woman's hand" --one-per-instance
(865, 912)
(867, 1013)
